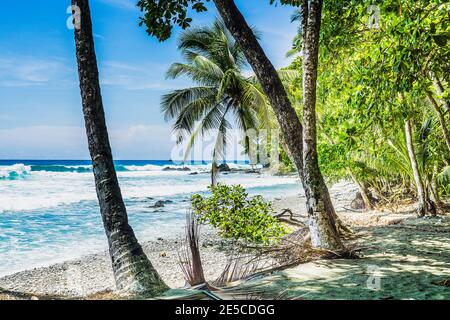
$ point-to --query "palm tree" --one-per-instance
(321, 213)
(133, 272)
(215, 63)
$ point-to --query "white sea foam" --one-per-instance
(44, 189)
(14, 171)
(37, 232)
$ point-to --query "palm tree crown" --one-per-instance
(222, 95)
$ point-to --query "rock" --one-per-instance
(224, 167)
(357, 203)
(160, 239)
(168, 201)
(163, 254)
(158, 204)
(193, 173)
(176, 169)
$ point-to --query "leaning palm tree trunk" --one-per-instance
(133, 272)
(439, 88)
(320, 209)
(441, 118)
(421, 192)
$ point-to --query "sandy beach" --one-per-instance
(394, 243)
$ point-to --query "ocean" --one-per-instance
(49, 211)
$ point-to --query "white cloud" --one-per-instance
(144, 76)
(27, 71)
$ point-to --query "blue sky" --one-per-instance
(40, 107)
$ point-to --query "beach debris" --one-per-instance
(163, 254)
(445, 283)
(189, 257)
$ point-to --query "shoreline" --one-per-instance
(90, 276)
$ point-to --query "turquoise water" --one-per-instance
(49, 211)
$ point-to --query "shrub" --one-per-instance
(236, 216)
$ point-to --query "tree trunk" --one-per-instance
(214, 173)
(362, 190)
(441, 118)
(421, 192)
(133, 272)
(440, 91)
(322, 224)
(319, 205)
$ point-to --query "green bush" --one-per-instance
(236, 216)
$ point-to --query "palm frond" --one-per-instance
(174, 102)
(214, 61)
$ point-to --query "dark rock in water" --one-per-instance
(358, 202)
(168, 201)
(224, 167)
(158, 204)
(193, 173)
(160, 239)
(176, 169)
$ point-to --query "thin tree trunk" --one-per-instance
(440, 116)
(320, 209)
(435, 190)
(214, 173)
(440, 91)
(133, 272)
(421, 192)
(362, 190)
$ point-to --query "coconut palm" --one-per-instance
(223, 94)
(133, 271)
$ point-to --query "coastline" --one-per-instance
(90, 276)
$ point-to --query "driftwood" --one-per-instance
(291, 220)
